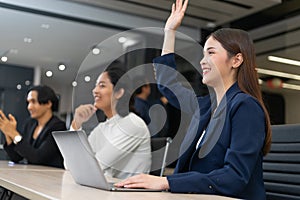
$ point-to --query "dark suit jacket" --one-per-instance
(228, 160)
(43, 150)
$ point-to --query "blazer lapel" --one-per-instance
(44, 132)
(216, 124)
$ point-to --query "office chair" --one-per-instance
(159, 150)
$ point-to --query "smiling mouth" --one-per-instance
(96, 98)
(205, 71)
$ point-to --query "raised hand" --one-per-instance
(177, 15)
(82, 114)
(8, 125)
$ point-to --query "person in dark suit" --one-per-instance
(141, 103)
(222, 152)
(35, 144)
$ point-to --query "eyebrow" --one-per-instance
(100, 82)
(209, 48)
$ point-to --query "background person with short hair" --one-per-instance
(35, 144)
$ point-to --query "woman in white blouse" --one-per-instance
(122, 143)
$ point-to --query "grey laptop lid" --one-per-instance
(79, 158)
(81, 161)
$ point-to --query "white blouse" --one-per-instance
(122, 146)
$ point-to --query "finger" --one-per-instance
(128, 181)
(12, 118)
(173, 8)
(135, 185)
(185, 5)
(2, 115)
(177, 4)
(92, 108)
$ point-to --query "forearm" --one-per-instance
(8, 140)
(169, 42)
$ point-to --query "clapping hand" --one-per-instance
(8, 125)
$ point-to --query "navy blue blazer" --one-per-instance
(228, 160)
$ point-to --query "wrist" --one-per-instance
(169, 31)
(75, 125)
(165, 184)
(9, 140)
(17, 139)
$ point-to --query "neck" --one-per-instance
(44, 119)
(110, 113)
(142, 96)
(221, 90)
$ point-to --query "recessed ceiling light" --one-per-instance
(87, 78)
(19, 86)
(45, 26)
(13, 51)
(49, 73)
(122, 39)
(27, 82)
(61, 67)
(27, 40)
(4, 58)
(74, 83)
(96, 50)
(211, 25)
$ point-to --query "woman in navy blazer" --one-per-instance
(229, 134)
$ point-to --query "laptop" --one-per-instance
(82, 163)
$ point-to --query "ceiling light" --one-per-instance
(4, 58)
(27, 82)
(87, 78)
(61, 67)
(122, 39)
(284, 60)
(19, 86)
(291, 86)
(284, 85)
(74, 83)
(13, 51)
(278, 74)
(211, 25)
(49, 73)
(27, 40)
(45, 26)
(96, 50)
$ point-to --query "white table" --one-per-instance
(40, 182)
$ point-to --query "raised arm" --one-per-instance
(172, 24)
(167, 79)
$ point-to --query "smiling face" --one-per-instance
(103, 93)
(36, 109)
(216, 65)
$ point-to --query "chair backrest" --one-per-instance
(159, 148)
(282, 164)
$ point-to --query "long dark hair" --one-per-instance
(236, 41)
(118, 77)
